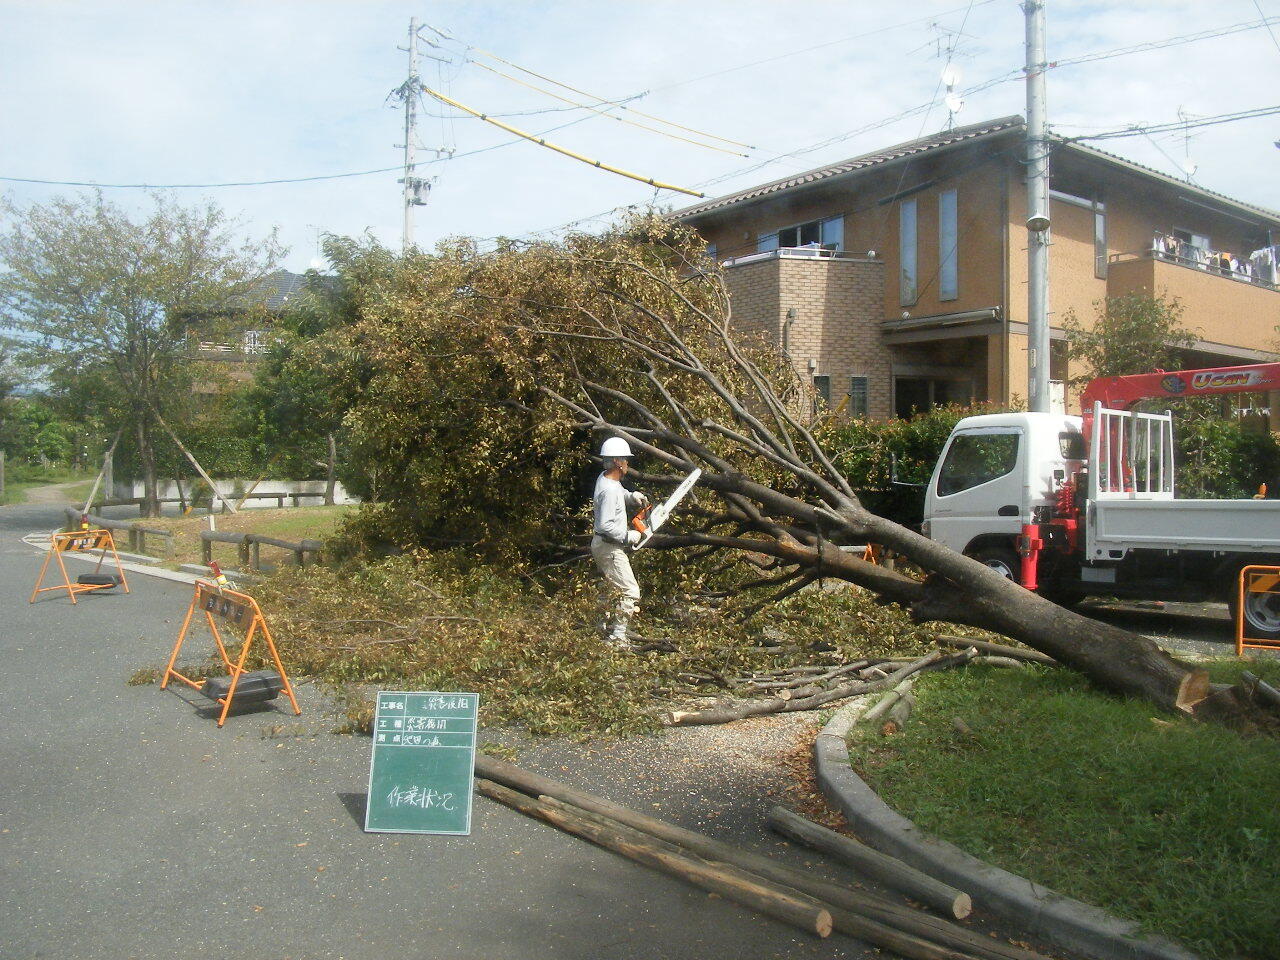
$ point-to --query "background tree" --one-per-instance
(1133, 333)
(487, 370)
(1218, 454)
(306, 382)
(105, 302)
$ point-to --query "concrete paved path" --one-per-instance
(131, 827)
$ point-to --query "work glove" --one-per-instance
(633, 538)
(641, 500)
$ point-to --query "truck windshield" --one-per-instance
(975, 458)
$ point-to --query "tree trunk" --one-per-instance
(872, 863)
(331, 472)
(147, 463)
(723, 879)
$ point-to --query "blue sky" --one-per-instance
(114, 91)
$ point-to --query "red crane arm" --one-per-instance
(1122, 393)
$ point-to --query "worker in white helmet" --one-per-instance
(612, 536)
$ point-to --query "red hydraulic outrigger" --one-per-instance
(1124, 393)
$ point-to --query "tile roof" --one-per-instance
(932, 142)
(276, 288)
(949, 138)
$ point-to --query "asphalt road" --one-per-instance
(131, 827)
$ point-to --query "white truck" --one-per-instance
(1078, 506)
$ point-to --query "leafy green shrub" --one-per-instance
(1224, 459)
(873, 454)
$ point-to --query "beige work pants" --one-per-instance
(621, 599)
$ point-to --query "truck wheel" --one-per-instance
(1261, 613)
(1003, 560)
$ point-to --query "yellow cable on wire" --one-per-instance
(605, 113)
(583, 93)
(551, 146)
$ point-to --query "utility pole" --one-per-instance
(1037, 212)
(409, 93)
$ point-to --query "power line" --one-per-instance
(830, 141)
(611, 116)
(1269, 30)
(1167, 42)
(196, 186)
(1145, 130)
(558, 149)
(639, 113)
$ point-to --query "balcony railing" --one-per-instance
(806, 252)
(1259, 268)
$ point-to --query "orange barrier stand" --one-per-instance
(77, 542)
(237, 610)
(1256, 579)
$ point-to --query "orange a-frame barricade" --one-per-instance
(1257, 578)
(238, 610)
(76, 542)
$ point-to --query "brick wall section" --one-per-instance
(837, 306)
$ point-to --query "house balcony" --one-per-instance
(1232, 315)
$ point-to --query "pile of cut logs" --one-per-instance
(808, 687)
(794, 896)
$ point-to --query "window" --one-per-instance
(907, 252)
(711, 252)
(977, 458)
(801, 236)
(1191, 239)
(912, 395)
(827, 234)
(858, 403)
(948, 243)
(1099, 240)
(822, 387)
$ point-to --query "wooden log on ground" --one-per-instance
(1260, 688)
(883, 705)
(910, 944)
(888, 870)
(846, 900)
(898, 714)
(752, 708)
(1013, 663)
(726, 881)
(999, 649)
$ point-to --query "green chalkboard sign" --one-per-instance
(424, 755)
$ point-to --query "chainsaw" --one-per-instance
(648, 520)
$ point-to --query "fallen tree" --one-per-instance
(630, 334)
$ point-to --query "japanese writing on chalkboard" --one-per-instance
(421, 769)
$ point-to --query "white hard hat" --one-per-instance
(615, 447)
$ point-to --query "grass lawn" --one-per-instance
(1162, 820)
(291, 523)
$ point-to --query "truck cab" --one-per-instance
(996, 474)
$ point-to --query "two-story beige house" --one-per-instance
(898, 280)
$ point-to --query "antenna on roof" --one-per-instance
(953, 100)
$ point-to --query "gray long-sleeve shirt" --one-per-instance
(611, 503)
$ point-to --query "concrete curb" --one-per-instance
(1056, 919)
